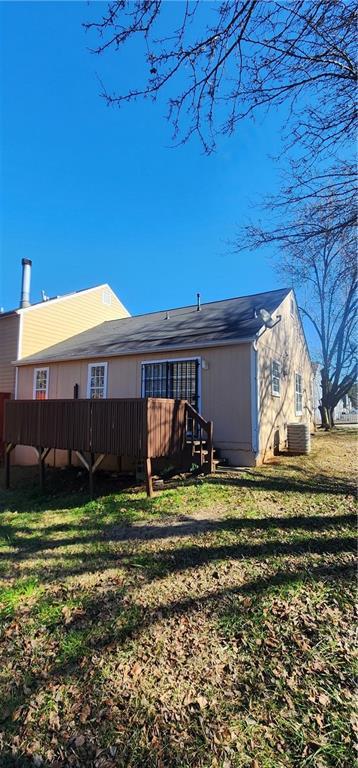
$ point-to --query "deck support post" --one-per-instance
(7, 468)
(98, 461)
(201, 449)
(8, 449)
(211, 466)
(91, 465)
(42, 454)
(82, 459)
(41, 468)
(88, 466)
(90, 474)
(148, 477)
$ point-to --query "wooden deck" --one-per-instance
(140, 428)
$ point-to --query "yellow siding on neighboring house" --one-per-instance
(286, 344)
(53, 321)
(9, 327)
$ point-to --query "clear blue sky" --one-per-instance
(94, 195)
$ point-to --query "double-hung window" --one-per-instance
(40, 390)
(298, 394)
(97, 381)
(276, 378)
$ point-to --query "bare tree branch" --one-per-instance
(324, 271)
(223, 62)
(247, 55)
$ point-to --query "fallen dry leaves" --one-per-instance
(227, 645)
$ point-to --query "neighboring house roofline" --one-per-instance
(56, 299)
(130, 352)
(8, 313)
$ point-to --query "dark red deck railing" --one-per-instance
(141, 428)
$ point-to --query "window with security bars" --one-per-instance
(298, 394)
(97, 381)
(40, 384)
(177, 379)
(276, 378)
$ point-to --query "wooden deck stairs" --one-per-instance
(200, 453)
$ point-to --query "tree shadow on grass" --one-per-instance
(191, 555)
(166, 561)
(94, 530)
(108, 636)
(313, 483)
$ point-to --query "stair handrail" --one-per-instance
(207, 426)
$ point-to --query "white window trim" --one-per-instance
(96, 365)
(273, 393)
(34, 381)
(299, 413)
(173, 360)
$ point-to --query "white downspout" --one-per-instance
(255, 400)
(16, 382)
(18, 353)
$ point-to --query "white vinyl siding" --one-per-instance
(97, 381)
(298, 395)
(276, 378)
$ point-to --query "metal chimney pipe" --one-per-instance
(26, 283)
(198, 304)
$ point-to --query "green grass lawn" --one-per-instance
(209, 627)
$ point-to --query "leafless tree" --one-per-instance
(225, 60)
(222, 62)
(331, 192)
(353, 394)
(325, 272)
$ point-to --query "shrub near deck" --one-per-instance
(208, 627)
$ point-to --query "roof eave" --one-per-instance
(131, 352)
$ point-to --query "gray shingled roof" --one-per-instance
(218, 322)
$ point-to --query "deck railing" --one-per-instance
(140, 428)
(202, 433)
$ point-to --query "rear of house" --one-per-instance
(249, 379)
